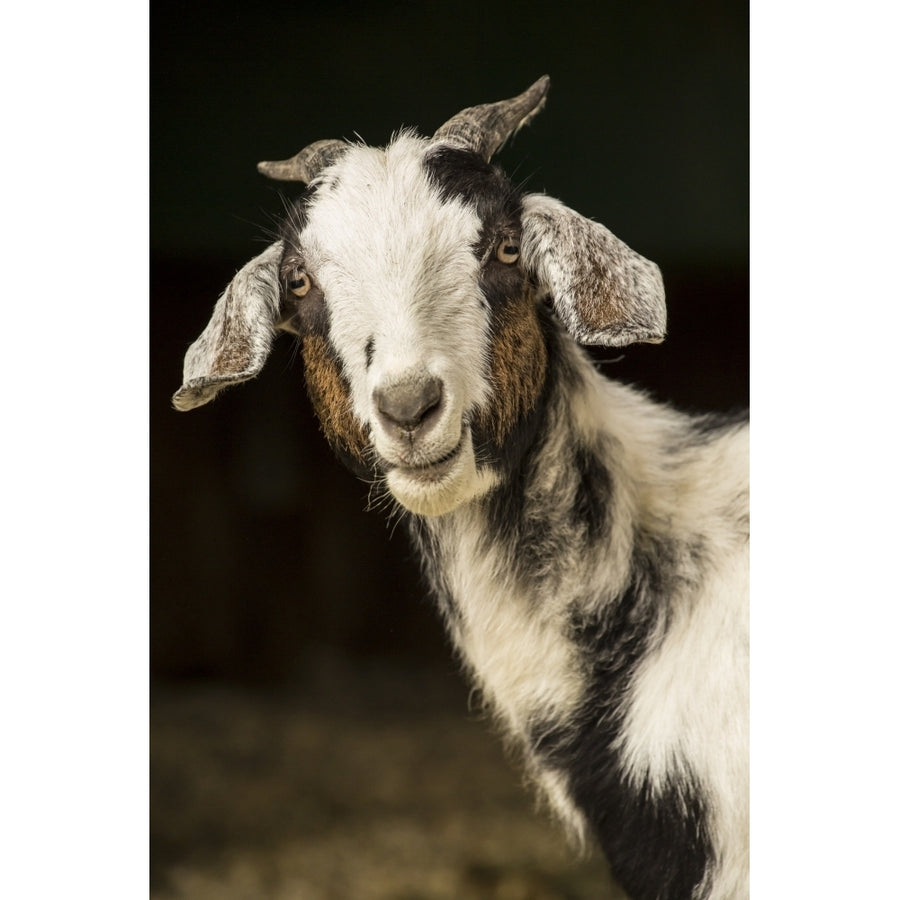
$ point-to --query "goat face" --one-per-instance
(415, 277)
(418, 324)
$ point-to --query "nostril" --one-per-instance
(408, 404)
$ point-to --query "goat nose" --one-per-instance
(408, 404)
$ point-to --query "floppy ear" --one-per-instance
(235, 344)
(602, 290)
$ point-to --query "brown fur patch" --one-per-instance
(518, 365)
(330, 395)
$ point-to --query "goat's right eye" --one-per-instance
(508, 251)
(298, 282)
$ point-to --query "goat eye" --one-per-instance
(298, 282)
(507, 251)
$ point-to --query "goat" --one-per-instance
(587, 546)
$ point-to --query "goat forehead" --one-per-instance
(381, 219)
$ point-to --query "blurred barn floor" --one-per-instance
(369, 784)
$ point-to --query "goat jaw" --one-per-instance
(443, 485)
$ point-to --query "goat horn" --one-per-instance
(486, 128)
(306, 164)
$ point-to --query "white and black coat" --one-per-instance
(587, 547)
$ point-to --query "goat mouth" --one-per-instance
(443, 484)
(434, 470)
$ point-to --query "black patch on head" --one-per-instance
(464, 175)
(657, 842)
(370, 351)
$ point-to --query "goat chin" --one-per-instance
(438, 489)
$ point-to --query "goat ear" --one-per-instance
(235, 344)
(602, 290)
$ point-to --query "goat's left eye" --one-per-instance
(507, 251)
(298, 282)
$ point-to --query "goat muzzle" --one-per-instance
(410, 408)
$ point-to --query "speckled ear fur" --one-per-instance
(603, 292)
(235, 344)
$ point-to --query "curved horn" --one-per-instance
(306, 164)
(486, 128)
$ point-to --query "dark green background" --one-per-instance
(263, 563)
